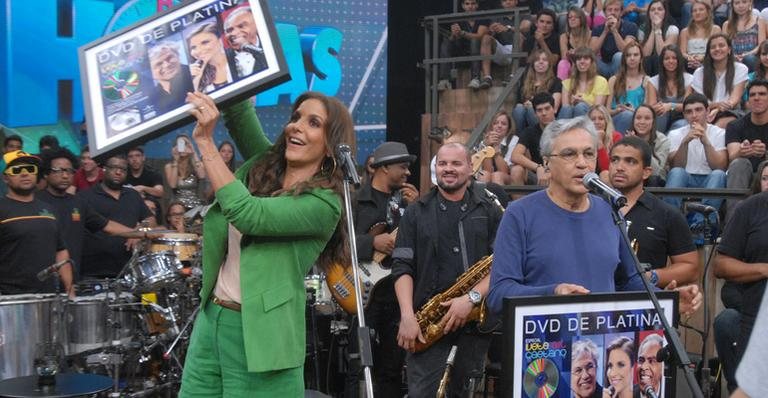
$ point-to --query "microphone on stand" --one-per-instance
(595, 185)
(344, 153)
(650, 392)
(699, 208)
(447, 373)
(47, 271)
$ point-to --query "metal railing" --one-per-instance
(431, 63)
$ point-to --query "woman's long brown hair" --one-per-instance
(265, 178)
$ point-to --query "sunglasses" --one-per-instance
(16, 170)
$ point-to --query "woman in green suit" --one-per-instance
(272, 219)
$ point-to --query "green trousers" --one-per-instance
(215, 365)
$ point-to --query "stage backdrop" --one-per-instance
(335, 47)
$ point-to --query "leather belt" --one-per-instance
(230, 305)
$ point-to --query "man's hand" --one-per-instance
(542, 176)
(384, 243)
(690, 297)
(408, 332)
(457, 314)
(132, 244)
(758, 148)
(565, 289)
(410, 193)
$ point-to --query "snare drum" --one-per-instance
(93, 322)
(152, 271)
(185, 246)
(316, 286)
(25, 321)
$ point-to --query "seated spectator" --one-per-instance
(528, 167)
(746, 138)
(630, 87)
(634, 10)
(185, 173)
(464, 39)
(501, 137)
(539, 77)
(609, 40)
(498, 41)
(644, 127)
(544, 36)
(577, 35)
(89, 173)
(672, 84)
(657, 32)
(694, 38)
(760, 72)
(606, 135)
(697, 155)
(746, 31)
(721, 79)
(584, 88)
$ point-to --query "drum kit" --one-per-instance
(133, 329)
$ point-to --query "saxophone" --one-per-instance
(431, 314)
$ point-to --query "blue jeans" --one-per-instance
(622, 121)
(608, 69)
(750, 61)
(663, 120)
(679, 178)
(523, 117)
(685, 14)
(571, 111)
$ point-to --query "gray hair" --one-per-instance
(559, 127)
(584, 346)
(236, 13)
(165, 45)
(651, 339)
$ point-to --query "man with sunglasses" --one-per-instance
(30, 238)
(73, 215)
(104, 256)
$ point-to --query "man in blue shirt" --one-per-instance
(609, 39)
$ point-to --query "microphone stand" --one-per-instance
(674, 340)
(708, 249)
(363, 331)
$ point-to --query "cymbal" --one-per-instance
(145, 234)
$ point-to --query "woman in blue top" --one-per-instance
(630, 88)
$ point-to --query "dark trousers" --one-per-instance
(425, 369)
(383, 315)
(455, 48)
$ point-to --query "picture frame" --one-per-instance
(135, 80)
(550, 341)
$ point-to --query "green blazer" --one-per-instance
(282, 238)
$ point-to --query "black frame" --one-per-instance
(121, 47)
(569, 304)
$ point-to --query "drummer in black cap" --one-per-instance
(377, 211)
(30, 238)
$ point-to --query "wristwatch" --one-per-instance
(475, 297)
(654, 279)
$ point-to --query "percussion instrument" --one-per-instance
(185, 246)
(152, 271)
(97, 321)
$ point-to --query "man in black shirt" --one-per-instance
(745, 139)
(659, 229)
(544, 36)
(464, 39)
(380, 204)
(528, 165)
(105, 256)
(440, 237)
(144, 180)
(74, 217)
(30, 239)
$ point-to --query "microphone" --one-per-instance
(47, 271)
(447, 373)
(611, 390)
(344, 153)
(252, 48)
(594, 184)
(699, 208)
(650, 392)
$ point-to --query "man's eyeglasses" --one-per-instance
(22, 168)
(62, 170)
(586, 369)
(570, 155)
